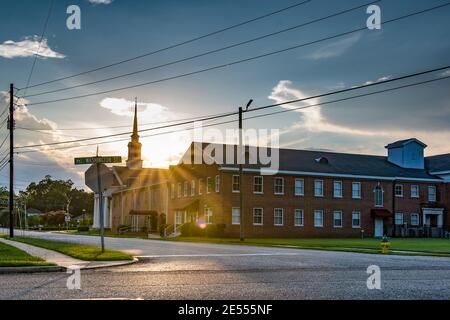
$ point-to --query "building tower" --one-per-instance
(134, 160)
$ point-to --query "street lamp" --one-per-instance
(241, 175)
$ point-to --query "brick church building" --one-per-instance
(313, 194)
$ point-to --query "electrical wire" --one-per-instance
(234, 113)
(39, 47)
(204, 53)
(257, 116)
(175, 45)
(237, 61)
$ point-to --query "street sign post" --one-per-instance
(67, 220)
(99, 178)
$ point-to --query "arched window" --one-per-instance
(378, 191)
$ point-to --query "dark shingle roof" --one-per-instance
(140, 177)
(401, 143)
(438, 163)
(339, 164)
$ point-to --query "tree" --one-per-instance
(81, 202)
(54, 195)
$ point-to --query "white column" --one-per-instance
(110, 213)
(105, 212)
(439, 220)
(96, 222)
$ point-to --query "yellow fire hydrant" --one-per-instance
(385, 244)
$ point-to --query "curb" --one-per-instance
(38, 269)
(10, 270)
(111, 264)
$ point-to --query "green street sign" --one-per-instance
(92, 160)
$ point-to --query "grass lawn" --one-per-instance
(426, 246)
(78, 251)
(108, 233)
(13, 257)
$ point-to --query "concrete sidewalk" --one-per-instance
(62, 260)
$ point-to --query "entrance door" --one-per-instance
(379, 227)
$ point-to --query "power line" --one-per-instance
(39, 46)
(3, 142)
(48, 133)
(259, 116)
(116, 127)
(205, 53)
(237, 61)
(174, 45)
(234, 113)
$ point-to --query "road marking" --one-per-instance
(219, 255)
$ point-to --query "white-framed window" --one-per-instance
(299, 188)
(258, 216)
(356, 219)
(415, 191)
(318, 188)
(193, 188)
(172, 191)
(337, 189)
(337, 219)
(208, 215)
(356, 190)
(185, 189)
(179, 190)
(235, 216)
(299, 218)
(178, 217)
(278, 217)
(431, 193)
(318, 218)
(415, 219)
(217, 184)
(200, 186)
(258, 184)
(378, 195)
(279, 185)
(208, 185)
(398, 190)
(398, 218)
(235, 183)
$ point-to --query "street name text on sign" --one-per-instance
(92, 160)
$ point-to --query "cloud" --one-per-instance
(28, 48)
(100, 1)
(34, 166)
(159, 150)
(355, 131)
(384, 78)
(336, 48)
(146, 110)
(311, 118)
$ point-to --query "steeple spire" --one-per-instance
(135, 135)
(134, 160)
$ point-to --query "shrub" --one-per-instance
(191, 229)
(83, 228)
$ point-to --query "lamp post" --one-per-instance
(241, 175)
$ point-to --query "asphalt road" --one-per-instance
(175, 270)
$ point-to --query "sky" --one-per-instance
(115, 30)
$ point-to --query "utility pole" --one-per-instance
(11, 160)
(241, 159)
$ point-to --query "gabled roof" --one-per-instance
(139, 177)
(438, 163)
(401, 143)
(338, 163)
